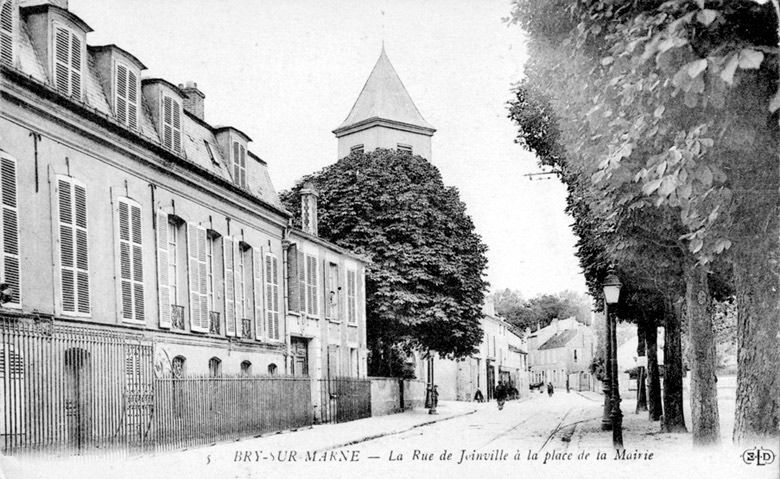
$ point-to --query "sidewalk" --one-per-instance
(190, 463)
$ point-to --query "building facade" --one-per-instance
(561, 352)
(124, 209)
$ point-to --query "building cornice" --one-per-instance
(377, 121)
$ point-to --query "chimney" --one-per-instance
(309, 208)
(193, 99)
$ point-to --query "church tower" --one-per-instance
(384, 116)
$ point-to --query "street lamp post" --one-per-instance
(606, 420)
(611, 295)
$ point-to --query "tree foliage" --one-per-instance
(671, 110)
(540, 310)
(425, 286)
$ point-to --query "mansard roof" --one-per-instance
(384, 97)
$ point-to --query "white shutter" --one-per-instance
(171, 123)
(237, 283)
(162, 270)
(10, 236)
(302, 282)
(272, 296)
(74, 253)
(67, 62)
(203, 277)
(132, 100)
(257, 263)
(121, 93)
(131, 260)
(176, 126)
(230, 293)
(7, 32)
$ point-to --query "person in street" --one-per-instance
(567, 383)
(478, 397)
(500, 394)
(550, 389)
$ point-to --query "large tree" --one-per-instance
(425, 285)
(676, 104)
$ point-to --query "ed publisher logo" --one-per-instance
(758, 456)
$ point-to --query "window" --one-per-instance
(242, 266)
(332, 301)
(7, 33)
(126, 100)
(351, 296)
(177, 367)
(210, 151)
(272, 369)
(68, 52)
(171, 123)
(239, 164)
(334, 357)
(311, 286)
(353, 362)
(213, 250)
(9, 222)
(196, 252)
(215, 367)
(74, 254)
(404, 148)
(357, 149)
(131, 260)
(173, 260)
(272, 296)
(246, 368)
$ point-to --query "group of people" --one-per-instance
(502, 392)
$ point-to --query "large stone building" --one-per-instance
(125, 210)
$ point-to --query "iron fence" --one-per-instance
(200, 410)
(344, 399)
(74, 389)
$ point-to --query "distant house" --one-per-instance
(560, 351)
(502, 355)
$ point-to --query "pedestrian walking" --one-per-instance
(550, 389)
(500, 394)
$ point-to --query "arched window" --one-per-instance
(246, 368)
(177, 367)
(272, 369)
(215, 367)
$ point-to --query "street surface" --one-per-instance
(541, 436)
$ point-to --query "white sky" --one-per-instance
(288, 72)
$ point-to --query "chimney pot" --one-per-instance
(193, 99)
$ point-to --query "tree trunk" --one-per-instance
(673, 419)
(757, 415)
(701, 337)
(641, 391)
(654, 408)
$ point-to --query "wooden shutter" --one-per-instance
(121, 93)
(196, 254)
(67, 62)
(10, 236)
(242, 163)
(237, 283)
(167, 122)
(351, 297)
(293, 281)
(176, 126)
(257, 262)
(131, 260)
(74, 254)
(236, 166)
(302, 282)
(230, 298)
(132, 100)
(7, 32)
(272, 295)
(162, 270)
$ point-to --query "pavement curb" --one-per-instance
(399, 431)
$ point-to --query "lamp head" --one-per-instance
(612, 286)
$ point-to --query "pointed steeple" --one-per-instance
(384, 104)
(384, 97)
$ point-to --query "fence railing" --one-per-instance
(74, 389)
(200, 410)
(344, 399)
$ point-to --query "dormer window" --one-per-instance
(68, 55)
(126, 100)
(7, 33)
(171, 123)
(239, 164)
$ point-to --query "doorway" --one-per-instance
(78, 396)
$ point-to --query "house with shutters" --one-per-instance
(124, 210)
(561, 352)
